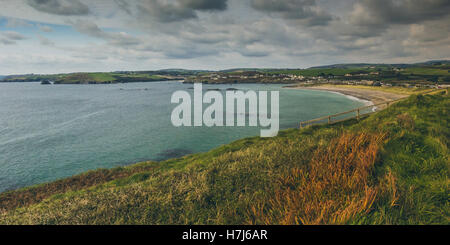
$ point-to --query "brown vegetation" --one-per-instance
(334, 188)
(25, 197)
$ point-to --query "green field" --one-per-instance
(389, 168)
(89, 77)
(102, 77)
(426, 71)
(313, 72)
(105, 78)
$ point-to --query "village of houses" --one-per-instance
(367, 79)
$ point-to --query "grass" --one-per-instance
(27, 196)
(389, 168)
(90, 77)
(313, 72)
(86, 78)
(334, 188)
(426, 71)
(101, 77)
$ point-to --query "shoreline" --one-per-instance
(366, 95)
(367, 102)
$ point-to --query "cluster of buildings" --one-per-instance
(249, 76)
(372, 78)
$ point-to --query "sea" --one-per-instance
(49, 132)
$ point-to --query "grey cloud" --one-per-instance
(124, 5)
(253, 53)
(117, 39)
(383, 13)
(60, 7)
(45, 28)
(171, 47)
(281, 5)
(11, 35)
(205, 4)
(306, 12)
(6, 41)
(164, 11)
(90, 29)
(257, 38)
(205, 38)
(176, 48)
(264, 37)
(188, 53)
(358, 44)
(45, 41)
(371, 18)
(434, 31)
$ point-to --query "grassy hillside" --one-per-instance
(99, 78)
(93, 77)
(439, 70)
(389, 168)
(312, 72)
(86, 78)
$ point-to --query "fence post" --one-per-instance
(301, 124)
(357, 114)
(329, 120)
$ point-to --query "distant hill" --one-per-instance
(435, 62)
(182, 70)
(95, 77)
(433, 70)
(366, 65)
(244, 69)
(343, 66)
(350, 66)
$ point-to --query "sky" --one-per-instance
(61, 36)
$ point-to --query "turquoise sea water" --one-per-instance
(56, 131)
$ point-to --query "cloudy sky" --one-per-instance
(54, 36)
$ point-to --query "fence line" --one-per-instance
(359, 112)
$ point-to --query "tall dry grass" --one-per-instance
(334, 188)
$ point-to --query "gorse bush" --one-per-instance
(389, 168)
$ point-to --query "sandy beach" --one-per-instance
(376, 97)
